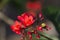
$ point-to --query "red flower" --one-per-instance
(26, 19)
(33, 5)
(16, 27)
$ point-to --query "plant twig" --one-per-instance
(46, 37)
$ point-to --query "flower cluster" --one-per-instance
(22, 26)
(25, 20)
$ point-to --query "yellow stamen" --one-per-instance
(43, 24)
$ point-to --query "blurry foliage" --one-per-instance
(53, 14)
(3, 3)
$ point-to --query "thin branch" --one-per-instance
(6, 19)
(45, 36)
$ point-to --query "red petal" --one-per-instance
(40, 15)
(20, 18)
(30, 18)
(26, 19)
